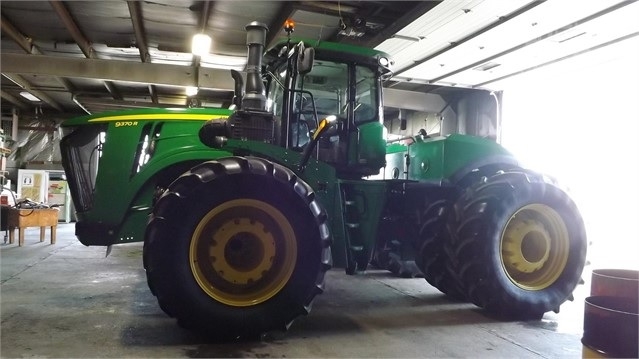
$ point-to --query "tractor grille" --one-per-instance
(253, 126)
(80, 149)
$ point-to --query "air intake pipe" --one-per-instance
(255, 97)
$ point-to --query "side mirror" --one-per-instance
(305, 59)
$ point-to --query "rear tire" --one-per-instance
(520, 245)
(237, 247)
(435, 256)
(432, 258)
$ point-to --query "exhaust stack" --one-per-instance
(255, 97)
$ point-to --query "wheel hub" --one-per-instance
(242, 251)
(535, 246)
(526, 246)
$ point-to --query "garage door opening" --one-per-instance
(578, 120)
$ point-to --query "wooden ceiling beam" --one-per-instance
(135, 10)
(78, 36)
(13, 100)
(26, 43)
(117, 70)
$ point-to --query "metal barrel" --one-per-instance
(611, 317)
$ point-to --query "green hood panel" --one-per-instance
(151, 114)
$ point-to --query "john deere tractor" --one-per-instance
(242, 211)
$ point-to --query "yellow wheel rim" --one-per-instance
(535, 247)
(243, 252)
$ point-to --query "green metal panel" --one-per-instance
(426, 159)
(176, 144)
(461, 150)
(443, 157)
(123, 193)
(368, 148)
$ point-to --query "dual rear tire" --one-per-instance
(519, 245)
(513, 243)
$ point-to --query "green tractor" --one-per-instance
(243, 211)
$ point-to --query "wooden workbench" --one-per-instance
(23, 218)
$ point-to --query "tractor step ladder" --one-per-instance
(355, 260)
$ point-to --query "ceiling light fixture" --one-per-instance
(29, 96)
(486, 66)
(408, 38)
(191, 91)
(201, 44)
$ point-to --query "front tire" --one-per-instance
(520, 245)
(237, 247)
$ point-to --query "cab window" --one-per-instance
(365, 95)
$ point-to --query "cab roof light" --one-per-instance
(289, 26)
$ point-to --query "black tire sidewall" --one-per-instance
(551, 297)
(195, 305)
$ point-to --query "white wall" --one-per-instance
(578, 120)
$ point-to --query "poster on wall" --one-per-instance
(57, 192)
(33, 184)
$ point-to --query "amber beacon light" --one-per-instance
(289, 25)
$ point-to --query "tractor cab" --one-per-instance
(309, 82)
(319, 98)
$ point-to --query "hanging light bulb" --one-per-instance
(201, 44)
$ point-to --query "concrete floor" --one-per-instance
(68, 300)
